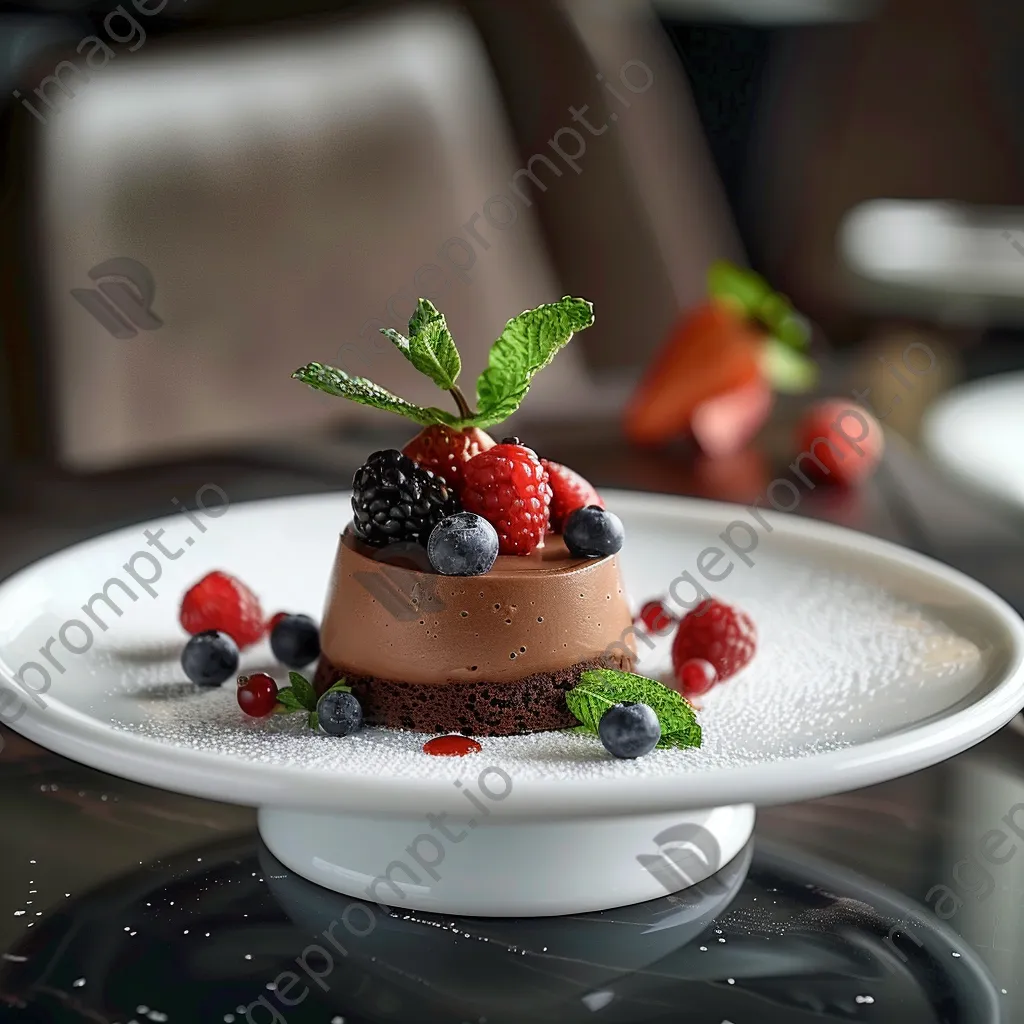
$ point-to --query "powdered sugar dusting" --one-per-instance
(839, 661)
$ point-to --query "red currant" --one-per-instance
(695, 677)
(272, 624)
(656, 617)
(257, 694)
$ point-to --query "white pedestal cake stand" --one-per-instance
(508, 868)
(873, 662)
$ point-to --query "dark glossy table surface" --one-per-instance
(123, 903)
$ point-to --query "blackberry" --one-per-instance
(393, 499)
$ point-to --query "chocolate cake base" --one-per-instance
(534, 703)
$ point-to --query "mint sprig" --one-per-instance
(527, 344)
(601, 688)
(301, 696)
(302, 688)
(287, 702)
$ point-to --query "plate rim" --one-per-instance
(71, 733)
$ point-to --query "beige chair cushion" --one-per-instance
(285, 196)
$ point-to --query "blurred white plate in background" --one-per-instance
(976, 434)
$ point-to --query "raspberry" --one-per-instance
(444, 450)
(508, 486)
(717, 633)
(695, 677)
(220, 602)
(394, 500)
(569, 491)
(656, 617)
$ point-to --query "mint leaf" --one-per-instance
(289, 701)
(527, 344)
(600, 688)
(313, 721)
(333, 381)
(430, 346)
(400, 341)
(681, 738)
(339, 686)
(303, 690)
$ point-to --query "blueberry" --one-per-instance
(339, 713)
(629, 730)
(463, 545)
(295, 641)
(209, 658)
(591, 532)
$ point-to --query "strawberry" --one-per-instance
(569, 491)
(713, 350)
(508, 486)
(747, 340)
(717, 633)
(839, 441)
(219, 601)
(445, 450)
(724, 424)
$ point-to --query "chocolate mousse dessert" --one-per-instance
(476, 581)
(487, 655)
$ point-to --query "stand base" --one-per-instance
(507, 868)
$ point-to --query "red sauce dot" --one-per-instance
(451, 746)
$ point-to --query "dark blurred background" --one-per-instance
(291, 176)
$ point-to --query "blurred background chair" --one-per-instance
(293, 176)
(290, 191)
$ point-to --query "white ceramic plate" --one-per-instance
(872, 662)
(976, 434)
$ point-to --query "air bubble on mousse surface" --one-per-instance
(837, 656)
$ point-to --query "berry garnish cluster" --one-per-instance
(632, 715)
(336, 712)
(711, 644)
(453, 489)
(224, 615)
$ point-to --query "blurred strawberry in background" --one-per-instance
(844, 441)
(715, 378)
